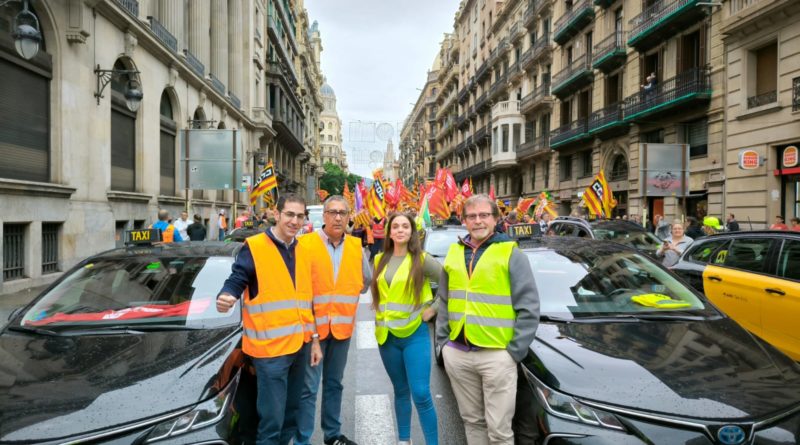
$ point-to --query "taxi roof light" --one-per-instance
(142, 237)
(524, 231)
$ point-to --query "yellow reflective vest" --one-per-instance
(397, 312)
(480, 304)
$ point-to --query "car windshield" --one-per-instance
(593, 281)
(638, 239)
(140, 290)
(438, 242)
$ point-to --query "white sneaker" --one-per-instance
(404, 442)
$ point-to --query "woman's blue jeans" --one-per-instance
(408, 363)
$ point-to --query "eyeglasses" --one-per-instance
(291, 215)
(474, 216)
(339, 213)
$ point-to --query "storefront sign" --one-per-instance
(749, 160)
(790, 157)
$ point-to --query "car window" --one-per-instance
(590, 281)
(704, 253)
(438, 242)
(562, 229)
(137, 290)
(748, 254)
(789, 260)
(638, 239)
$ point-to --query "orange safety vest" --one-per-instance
(279, 319)
(378, 231)
(335, 303)
(167, 236)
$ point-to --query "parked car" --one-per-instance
(754, 277)
(314, 220)
(623, 232)
(438, 239)
(627, 353)
(128, 347)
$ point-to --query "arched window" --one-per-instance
(167, 141)
(619, 169)
(24, 106)
(123, 134)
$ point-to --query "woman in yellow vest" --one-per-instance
(402, 300)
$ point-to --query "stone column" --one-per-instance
(170, 14)
(235, 41)
(219, 40)
(195, 38)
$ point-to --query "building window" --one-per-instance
(24, 107)
(505, 140)
(167, 142)
(13, 251)
(533, 176)
(586, 163)
(565, 168)
(50, 233)
(697, 138)
(762, 82)
(654, 137)
(123, 136)
(546, 171)
(619, 169)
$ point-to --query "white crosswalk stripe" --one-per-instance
(374, 420)
(365, 335)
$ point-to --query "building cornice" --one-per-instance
(31, 188)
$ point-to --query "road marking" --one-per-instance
(365, 335)
(374, 420)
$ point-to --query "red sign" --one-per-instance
(790, 156)
(749, 160)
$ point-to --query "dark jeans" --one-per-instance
(331, 370)
(280, 383)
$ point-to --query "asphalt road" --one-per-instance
(368, 400)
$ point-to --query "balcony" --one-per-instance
(537, 99)
(460, 147)
(539, 49)
(575, 76)
(796, 94)
(509, 108)
(478, 169)
(131, 6)
(162, 34)
(608, 122)
(610, 53)
(514, 72)
(530, 14)
(483, 70)
(573, 21)
(234, 100)
(534, 147)
(275, 33)
(463, 95)
(286, 136)
(194, 63)
(462, 121)
(481, 135)
(482, 102)
(216, 84)
(499, 86)
(689, 89)
(568, 134)
(498, 51)
(516, 32)
(663, 20)
(541, 6)
(604, 3)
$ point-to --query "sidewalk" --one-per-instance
(9, 302)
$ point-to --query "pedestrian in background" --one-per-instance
(279, 329)
(795, 224)
(168, 232)
(693, 228)
(487, 320)
(711, 225)
(402, 300)
(732, 224)
(243, 216)
(196, 230)
(779, 224)
(181, 224)
(222, 225)
(674, 244)
(378, 236)
(340, 272)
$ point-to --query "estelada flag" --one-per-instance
(598, 198)
(266, 182)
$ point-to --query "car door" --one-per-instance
(698, 256)
(781, 307)
(736, 278)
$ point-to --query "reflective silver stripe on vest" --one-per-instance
(401, 323)
(454, 316)
(341, 320)
(325, 299)
(272, 334)
(277, 305)
(399, 307)
(453, 294)
(491, 322)
(321, 320)
(478, 297)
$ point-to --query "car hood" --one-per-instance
(710, 369)
(55, 387)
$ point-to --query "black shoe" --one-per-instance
(341, 440)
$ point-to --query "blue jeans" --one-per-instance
(331, 370)
(408, 363)
(280, 382)
(221, 235)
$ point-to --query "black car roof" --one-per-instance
(613, 224)
(450, 227)
(181, 249)
(758, 233)
(562, 243)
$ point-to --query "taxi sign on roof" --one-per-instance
(248, 224)
(142, 236)
(523, 231)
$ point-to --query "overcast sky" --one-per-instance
(376, 54)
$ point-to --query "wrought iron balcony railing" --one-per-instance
(762, 99)
(605, 118)
(163, 34)
(217, 84)
(693, 83)
(663, 14)
(609, 48)
(573, 20)
(234, 100)
(533, 145)
(578, 68)
(131, 5)
(532, 100)
(566, 133)
(194, 63)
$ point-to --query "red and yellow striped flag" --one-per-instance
(266, 182)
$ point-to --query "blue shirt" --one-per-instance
(243, 272)
(164, 225)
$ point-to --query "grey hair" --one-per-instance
(477, 199)
(337, 198)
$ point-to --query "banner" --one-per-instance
(265, 183)
(598, 197)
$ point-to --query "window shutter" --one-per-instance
(123, 151)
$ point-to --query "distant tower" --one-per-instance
(388, 162)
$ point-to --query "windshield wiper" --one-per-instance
(33, 330)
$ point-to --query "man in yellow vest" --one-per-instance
(340, 272)
(487, 319)
(280, 335)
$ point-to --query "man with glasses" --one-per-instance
(487, 318)
(339, 274)
(280, 333)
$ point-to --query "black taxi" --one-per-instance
(128, 347)
(627, 353)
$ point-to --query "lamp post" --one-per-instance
(26, 33)
(133, 91)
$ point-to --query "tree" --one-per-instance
(333, 179)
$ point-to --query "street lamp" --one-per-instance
(27, 37)
(133, 91)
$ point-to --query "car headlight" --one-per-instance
(566, 407)
(203, 414)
